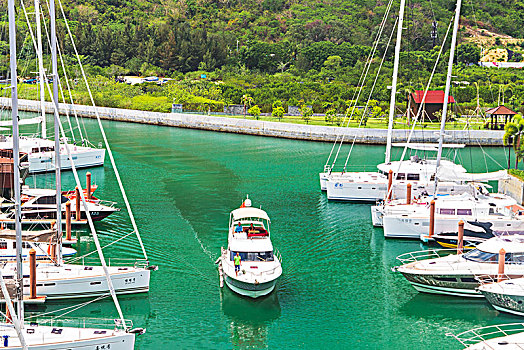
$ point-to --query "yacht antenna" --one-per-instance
(19, 282)
(394, 81)
(57, 134)
(446, 91)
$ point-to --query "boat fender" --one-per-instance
(6, 340)
(152, 267)
(138, 331)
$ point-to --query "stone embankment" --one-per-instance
(266, 128)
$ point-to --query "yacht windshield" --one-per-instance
(254, 256)
(485, 257)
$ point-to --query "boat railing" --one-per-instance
(251, 273)
(107, 203)
(350, 168)
(477, 335)
(87, 260)
(489, 279)
(80, 322)
(410, 257)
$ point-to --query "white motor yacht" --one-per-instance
(260, 266)
(496, 337)
(413, 220)
(432, 271)
(41, 153)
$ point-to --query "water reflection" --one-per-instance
(249, 320)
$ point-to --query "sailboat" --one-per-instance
(59, 280)
(392, 177)
(41, 150)
(18, 334)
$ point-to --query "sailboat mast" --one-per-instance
(57, 133)
(448, 86)
(19, 283)
(40, 66)
(394, 80)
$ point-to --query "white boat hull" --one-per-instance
(250, 289)
(376, 215)
(83, 157)
(68, 338)
(414, 227)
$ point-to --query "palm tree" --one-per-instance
(247, 101)
(513, 132)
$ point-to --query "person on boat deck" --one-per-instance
(237, 260)
(251, 228)
(239, 228)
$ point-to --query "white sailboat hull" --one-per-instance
(84, 157)
(67, 338)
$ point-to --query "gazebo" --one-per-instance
(504, 112)
(433, 103)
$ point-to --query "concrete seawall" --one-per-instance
(265, 128)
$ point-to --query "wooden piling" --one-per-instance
(408, 194)
(32, 274)
(431, 218)
(502, 261)
(460, 240)
(88, 185)
(77, 203)
(68, 221)
(390, 184)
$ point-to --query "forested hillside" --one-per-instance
(309, 50)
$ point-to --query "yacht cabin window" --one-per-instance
(401, 176)
(485, 257)
(253, 256)
(3, 245)
(464, 212)
(414, 177)
(444, 211)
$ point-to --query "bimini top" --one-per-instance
(248, 212)
(510, 243)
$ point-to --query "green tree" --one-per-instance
(247, 101)
(468, 53)
(255, 111)
(306, 112)
(512, 135)
(278, 110)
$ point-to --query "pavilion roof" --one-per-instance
(500, 110)
(435, 97)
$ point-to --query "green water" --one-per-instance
(337, 289)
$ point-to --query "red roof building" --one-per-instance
(501, 111)
(433, 102)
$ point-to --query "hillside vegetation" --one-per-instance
(298, 52)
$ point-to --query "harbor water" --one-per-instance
(337, 289)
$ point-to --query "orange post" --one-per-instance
(431, 218)
(53, 251)
(502, 260)
(68, 221)
(7, 315)
(32, 274)
(390, 184)
(460, 240)
(88, 185)
(77, 203)
(408, 194)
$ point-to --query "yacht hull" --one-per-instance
(456, 285)
(92, 286)
(250, 289)
(513, 304)
(376, 215)
(83, 157)
(62, 338)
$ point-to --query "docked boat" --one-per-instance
(443, 272)
(41, 152)
(414, 220)
(250, 238)
(496, 337)
(474, 234)
(373, 186)
(506, 295)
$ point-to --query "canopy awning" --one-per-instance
(242, 213)
(447, 174)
